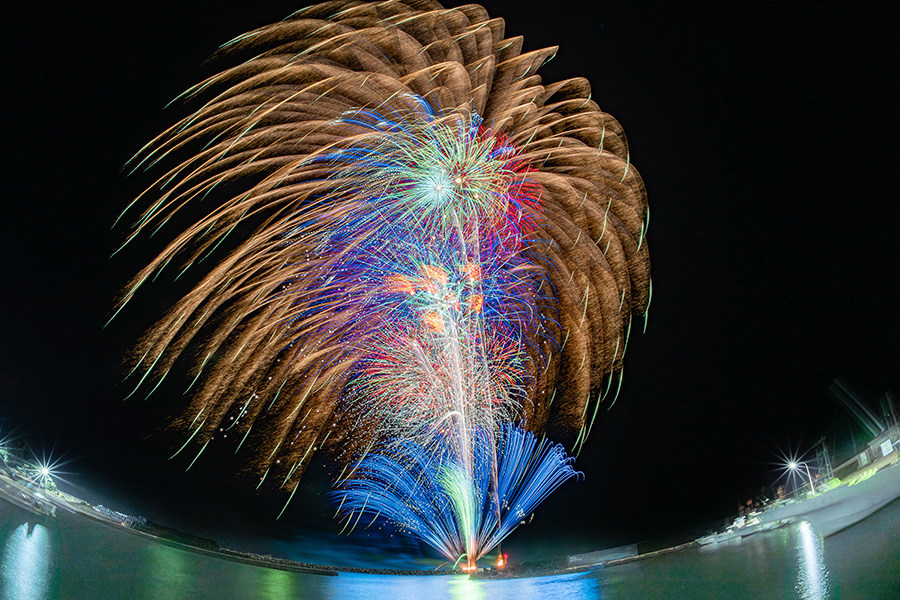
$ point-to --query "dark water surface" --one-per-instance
(72, 557)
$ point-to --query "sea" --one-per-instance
(71, 557)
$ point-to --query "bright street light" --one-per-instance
(793, 467)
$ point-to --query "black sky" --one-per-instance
(765, 134)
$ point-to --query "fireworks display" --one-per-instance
(409, 249)
(426, 489)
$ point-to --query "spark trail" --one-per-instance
(451, 209)
(403, 244)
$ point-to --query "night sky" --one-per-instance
(766, 137)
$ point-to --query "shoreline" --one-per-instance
(18, 490)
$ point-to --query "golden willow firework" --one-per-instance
(277, 334)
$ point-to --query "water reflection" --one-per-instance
(574, 585)
(812, 576)
(360, 586)
(274, 583)
(73, 557)
(463, 588)
(370, 587)
(168, 572)
(26, 568)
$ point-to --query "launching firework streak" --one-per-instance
(428, 493)
(405, 244)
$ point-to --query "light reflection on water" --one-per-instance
(366, 587)
(71, 558)
(25, 570)
(272, 583)
(463, 588)
(574, 585)
(168, 570)
(812, 576)
(369, 587)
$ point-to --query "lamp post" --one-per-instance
(793, 467)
